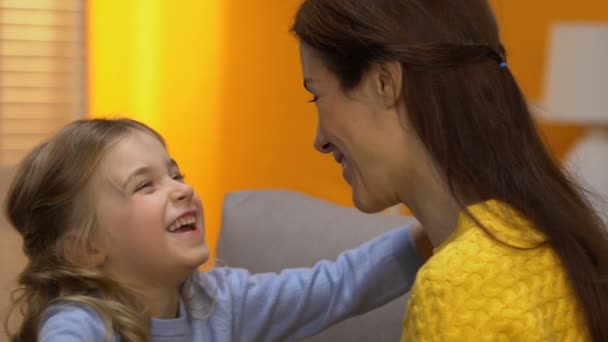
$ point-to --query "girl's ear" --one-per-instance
(79, 252)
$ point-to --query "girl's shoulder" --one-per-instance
(71, 322)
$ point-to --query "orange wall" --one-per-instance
(231, 70)
(268, 126)
(159, 62)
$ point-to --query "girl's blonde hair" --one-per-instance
(47, 200)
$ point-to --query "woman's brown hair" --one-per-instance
(471, 116)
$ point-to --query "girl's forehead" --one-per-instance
(135, 146)
(134, 151)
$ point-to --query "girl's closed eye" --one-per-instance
(143, 185)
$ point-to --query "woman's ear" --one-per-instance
(389, 83)
(79, 252)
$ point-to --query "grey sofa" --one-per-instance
(266, 231)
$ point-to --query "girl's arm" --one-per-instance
(298, 303)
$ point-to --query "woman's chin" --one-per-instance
(366, 204)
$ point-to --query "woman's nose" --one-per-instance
(321, 144)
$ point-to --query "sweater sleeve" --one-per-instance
(298, 303)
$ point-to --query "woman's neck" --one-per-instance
(433, 206)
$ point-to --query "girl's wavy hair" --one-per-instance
(47, 199)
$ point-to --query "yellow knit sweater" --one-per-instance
(504, 283)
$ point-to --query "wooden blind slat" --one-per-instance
(34, 110)
(39, 48)
(35, 95)
(55, 18)
(38, 79)
(41, 64)
(52, 5)
(55, 34)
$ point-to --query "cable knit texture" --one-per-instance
(504, 283)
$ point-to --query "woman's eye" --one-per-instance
(179, 176)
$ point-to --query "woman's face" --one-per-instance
(366, 130)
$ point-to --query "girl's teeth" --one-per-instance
(182, 222)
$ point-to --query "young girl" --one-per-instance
(114, 238)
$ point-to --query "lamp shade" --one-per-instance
(576, 77)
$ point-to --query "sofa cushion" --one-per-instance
(268, 230)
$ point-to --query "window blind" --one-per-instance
(42, 71)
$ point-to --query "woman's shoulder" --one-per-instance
(499, 242)
(71, 322)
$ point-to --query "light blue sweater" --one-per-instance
(286, 306)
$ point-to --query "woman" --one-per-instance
(418, 105)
